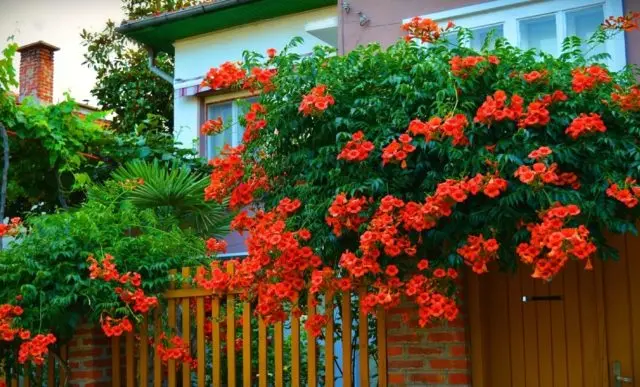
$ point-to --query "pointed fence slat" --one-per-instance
(27, 376)
(171, 317)
(115, 361)
(328, 345)
(295, 351)
(347, 363)
(381, 336)
(363, 341)
(143, 364)
(278, 350)
(51, 370)
(129, 353)
(215, 341)
(312, 366)
(246, 345)
(262, 353)
(186, 326)
(157, 362)
(200, 341)
(64, 355)
(231, 336)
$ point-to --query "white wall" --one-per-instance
(196, 55)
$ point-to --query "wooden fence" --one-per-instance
(52, 373)
(294, 360)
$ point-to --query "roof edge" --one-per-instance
(39, 43)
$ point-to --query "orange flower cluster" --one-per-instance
(228, 169)
(357, 149)
(31, 349)
(35, 349)
(212, 127)
(495, 108)
(315, 323)
(552, 244)
(426, 30)
(432, 304)
(586, 78)
(253, 122)
(629, 101)
(213, 279)
(260, 79)
(463, 66)
(174, 348)
(398, 150)
(317, 101)
(346, 213)
(625, 23)
(540, 174)
(113, 327)
(628, 194)
(216, 246)
(435, 129)
(274, 252)
(585, 124)
(12, 228)
(227, 75)
(477, 252)
(535, 76)
(130, 293)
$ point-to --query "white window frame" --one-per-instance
(509, 13)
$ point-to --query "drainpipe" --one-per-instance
(156, 70)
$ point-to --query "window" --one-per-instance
(231, 112)
(539, 24)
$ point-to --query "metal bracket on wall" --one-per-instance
(541, 298)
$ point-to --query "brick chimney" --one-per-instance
(36, 71)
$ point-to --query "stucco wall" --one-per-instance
(385, 19)
(633, 38)
(196, 55)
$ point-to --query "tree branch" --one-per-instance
(61, 199)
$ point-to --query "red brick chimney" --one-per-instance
(36, 71)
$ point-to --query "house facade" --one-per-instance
(583, 329)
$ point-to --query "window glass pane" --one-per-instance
(480, 35)
(243, 108)
(583, 23)
(540, 34)
(215, 143)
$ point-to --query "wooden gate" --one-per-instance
(285, 354)
(582, 329)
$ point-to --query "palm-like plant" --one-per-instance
(175, 191)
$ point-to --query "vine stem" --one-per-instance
(5, 173)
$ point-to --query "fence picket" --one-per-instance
(231, 336)
(215, 341)
(262, 353)
(363, 341)
(131, 372)
(295, 351)
(312, 377)
(27, 375)
(171, 313)
(64, 355)
(200, 341)
(347, 364)
(381, 336)
(328, 345)
(115, 361)
(157, 362)
(186, 326)
(143, 362)
(278, 350)
(246, 344)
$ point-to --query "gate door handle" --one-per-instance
(618, 379)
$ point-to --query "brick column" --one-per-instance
(90, 358)
(436, 355)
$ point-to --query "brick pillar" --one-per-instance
(436, 355)
(89, 358)
(36, 71)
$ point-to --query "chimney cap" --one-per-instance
(38, 44)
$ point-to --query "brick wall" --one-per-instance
(436, 355)
(89, 358)
(36, 71)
